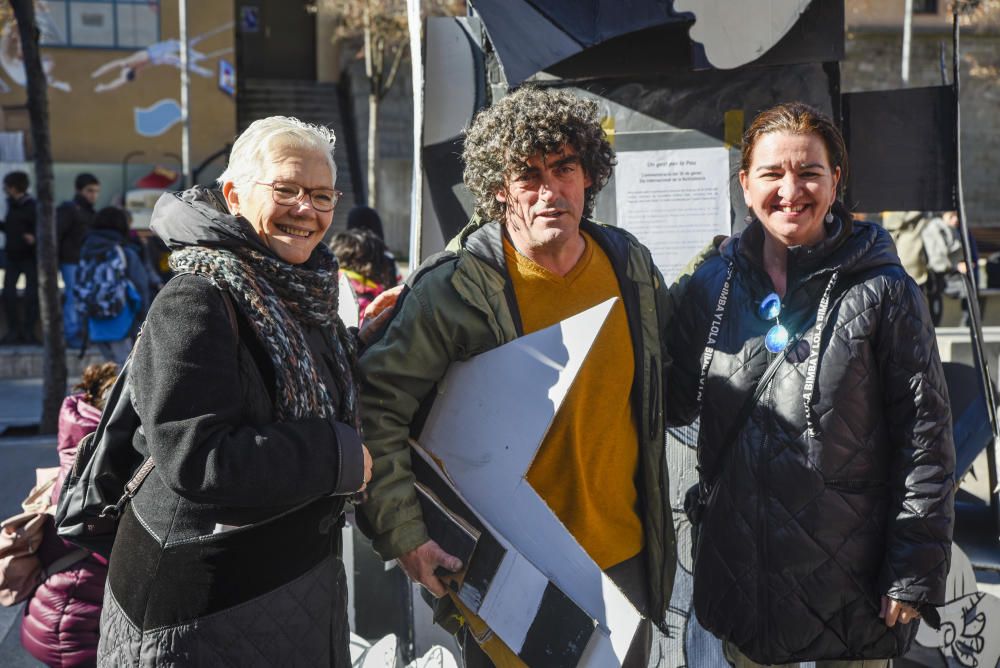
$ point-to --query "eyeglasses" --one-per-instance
(287, 193)
(776, 338)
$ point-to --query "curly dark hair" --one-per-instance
(362, 251)
(529, 122)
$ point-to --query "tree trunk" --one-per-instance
(373, 104)
(54, 381)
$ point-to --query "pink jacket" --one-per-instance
(61, 623)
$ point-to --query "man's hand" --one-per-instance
(367, 476)
(376, 315)
(893, 611)
(384, 301)
(419, 565)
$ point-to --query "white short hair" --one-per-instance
(251, 149)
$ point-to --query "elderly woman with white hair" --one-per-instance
(244, 381)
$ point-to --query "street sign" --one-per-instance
(249, 18)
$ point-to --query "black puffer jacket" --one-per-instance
(804, 533)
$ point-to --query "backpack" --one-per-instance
(108, 471)
(100, 290)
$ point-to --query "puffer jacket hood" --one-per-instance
(77, 418)
(851, 247)
(98, 242)
(838, 486)
(199, 217)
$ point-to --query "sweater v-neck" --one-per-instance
(517, 261)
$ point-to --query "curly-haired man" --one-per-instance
(535, 162)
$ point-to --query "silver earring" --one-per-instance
(748, 218)
(829, 216)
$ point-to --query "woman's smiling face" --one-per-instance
(790, 186)
(292, 232)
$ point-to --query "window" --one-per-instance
(925, 7)
(102, 24)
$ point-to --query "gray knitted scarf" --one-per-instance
(277, 299)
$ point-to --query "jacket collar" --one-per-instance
(83, 203)
(484, 240)
(751, 246)
(200, 216)
(850, 247)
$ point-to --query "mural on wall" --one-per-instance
(92, 50)
(167, 52)
(13, 62)
(154, 120)
(969, 636)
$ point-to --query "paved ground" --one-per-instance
(19, 457)
(20, 402)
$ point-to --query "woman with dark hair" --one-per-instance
(361, 256)
(385, 271)
(826, 501)
(112, 285)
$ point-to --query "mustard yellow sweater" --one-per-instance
(586, 466)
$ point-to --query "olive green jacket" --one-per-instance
(461, 303)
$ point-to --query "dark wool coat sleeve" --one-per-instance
(21, 221)
(188, 395)
(918, 412)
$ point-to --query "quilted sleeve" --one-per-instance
(687, 327)
(922, 510)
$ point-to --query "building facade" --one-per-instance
(114, 87)
(874, 61)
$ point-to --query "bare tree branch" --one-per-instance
(382, 27)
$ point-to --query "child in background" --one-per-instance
(367, 218)
(361, 255)
(61, 624)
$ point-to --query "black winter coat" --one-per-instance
(73, 220)
(802, 533)
(185, 587)
(22, 220)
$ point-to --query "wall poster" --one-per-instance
(675, 201)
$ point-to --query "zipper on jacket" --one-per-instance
(762, 556)
(654, 396)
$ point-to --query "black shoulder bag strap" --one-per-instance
(697, 496)
(139, 477)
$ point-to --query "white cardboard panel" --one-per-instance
(513, 600)
(486, 439)
(736, 33)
